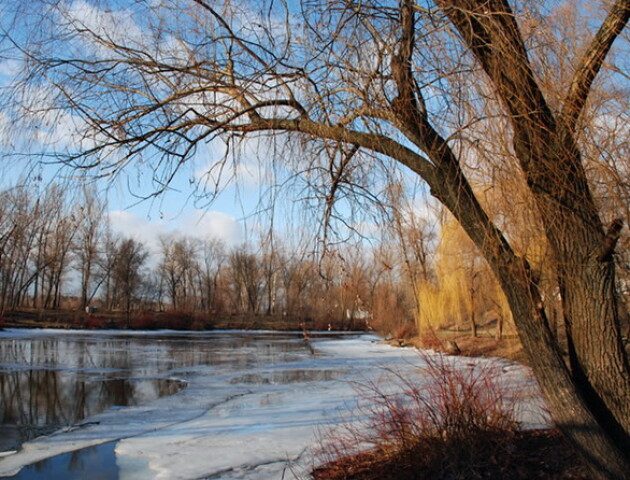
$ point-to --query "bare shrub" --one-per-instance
(447, 423)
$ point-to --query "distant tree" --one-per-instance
(55, 236)
(297, 279)
(412, 237)
(106, 263)
(19, 230)
(90, 213)
(178, 268)
(212, 258)
(246, 276)
(127, 276)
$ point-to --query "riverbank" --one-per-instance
(172, 320)
(523, 455)
(515, 452)
(484, 345)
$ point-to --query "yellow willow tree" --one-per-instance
(464, 289)
(373, 83)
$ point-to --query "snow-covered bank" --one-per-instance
(256, 422)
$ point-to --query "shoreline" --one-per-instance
(442, 340)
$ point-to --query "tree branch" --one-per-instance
(592, 61)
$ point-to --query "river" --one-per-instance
(168, 405)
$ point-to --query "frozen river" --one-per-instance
(191, 405)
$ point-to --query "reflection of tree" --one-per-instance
(75, 462)
(59, 381)
(67, 380)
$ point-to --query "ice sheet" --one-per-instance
(254, 424)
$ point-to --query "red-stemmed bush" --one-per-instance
(449, 422)
(95, 323)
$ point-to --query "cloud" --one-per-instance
(249, 163)
(10, 68)
(196, 223)
(211, 224)
(138, 228)
(91, 22)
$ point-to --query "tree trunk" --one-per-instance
(571, 410)
(591, 402)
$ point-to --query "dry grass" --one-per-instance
(441, 425)
(528, 455)
(508, 347)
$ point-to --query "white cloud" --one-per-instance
(212, 224)
(249, 164)
(138, 228)
(10, 68)
(111, 25)
(197, 223)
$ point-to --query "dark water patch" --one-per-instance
(51, 379)
(93, 463)
(38, 402)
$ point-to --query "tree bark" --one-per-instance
(599, 381)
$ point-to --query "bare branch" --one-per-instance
(592, 60)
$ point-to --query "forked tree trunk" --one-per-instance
(590, 400)
(582, 418)
(574, 412)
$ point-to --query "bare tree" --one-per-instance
(106, 262)
(61, 229)
(127, 276)
(35, 247)
(212, 258)
(171, 275)
(298, 276)
(178, 269)
(247, 276)
(384, 84)
(18, 220)
(92, 224)
(413, 236)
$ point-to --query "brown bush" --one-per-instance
(95, 323)
(451, 423)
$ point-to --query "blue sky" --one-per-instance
(230, 217)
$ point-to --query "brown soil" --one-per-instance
(540, 454)
(485, 344)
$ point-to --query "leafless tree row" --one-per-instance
(52, 241)
(60, 252)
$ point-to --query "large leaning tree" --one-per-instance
(462, 93)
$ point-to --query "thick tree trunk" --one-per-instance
(573, 411)
(597, 357)
(591, 401)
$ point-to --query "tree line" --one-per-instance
(58, 251)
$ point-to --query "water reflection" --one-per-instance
(95, 463)
(38, 402)
(50, 380)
